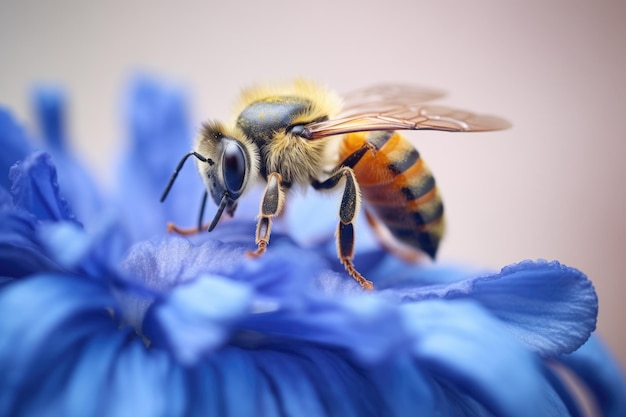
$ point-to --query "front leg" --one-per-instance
(271, 206)
(187, 231)
(348, 210)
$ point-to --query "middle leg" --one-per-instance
(348, 210)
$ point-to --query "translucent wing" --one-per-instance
(384, 97)
(398, 107)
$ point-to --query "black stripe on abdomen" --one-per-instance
(408, 160)
(399, 216)
(421, 186)
(424, 240)
(378, 139)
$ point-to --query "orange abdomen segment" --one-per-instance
(398, 188)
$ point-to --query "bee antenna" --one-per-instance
(202, 207)
(220, 210)
(178, 168)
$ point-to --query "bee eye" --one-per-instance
(234, 167)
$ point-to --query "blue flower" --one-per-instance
(103, 313)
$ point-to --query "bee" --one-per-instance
(302, 134)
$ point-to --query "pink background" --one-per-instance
(552, 187)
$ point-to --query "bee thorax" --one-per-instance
(295, 159)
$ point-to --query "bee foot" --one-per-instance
(364, 283)
(183, 231)
(260, 251)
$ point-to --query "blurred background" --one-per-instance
(552, 187)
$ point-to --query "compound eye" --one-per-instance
(234, 167)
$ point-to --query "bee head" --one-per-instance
(230, 166)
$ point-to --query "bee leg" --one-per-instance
(348, 210)
(186, 231)
(352, 159)
(271, 206)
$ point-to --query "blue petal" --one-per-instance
(548, 307)
(367, 328)
(284, 271)
(564, 391)
(393, 273)
(204, 386)
(159, 267)
(236, 376)
(6, 199)
(296, 379)
(162, 265)
(77, 185)
(56, 315)
(159, 137)
(85, 391)
(95, 255)
(14, 144)
(285, 382)
(64, 355)
(21, 253)
(598, 370)
(198, 317)
(457, 342)
(286, 304)
(35, 189)
(49, 105)
(145, 383)
(406, 390)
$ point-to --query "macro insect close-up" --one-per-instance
(301, 134)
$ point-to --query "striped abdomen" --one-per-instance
(398, 189)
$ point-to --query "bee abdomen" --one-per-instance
(399, 190)
(417, 225)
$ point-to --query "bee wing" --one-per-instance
(399, 107)
(386, 97)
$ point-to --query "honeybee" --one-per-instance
(302, 134)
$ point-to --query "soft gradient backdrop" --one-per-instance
(552, 187)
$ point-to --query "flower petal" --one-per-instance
(198, 317)
(85, 392)
(366, 327)
(286, 304)
(235, 375)
(461, 345)
(598, 370)
(14, 144)
(6, 200)
(160, 136)
(94, 255)
(145, 383)
(79, 362)
(49, 108)
(296, 384)
(43, 322)
(21, 253)
(35, 189)
(287, 378)
(548, 307)
(78, 187)
(160, 267)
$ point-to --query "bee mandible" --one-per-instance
(302, 134)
